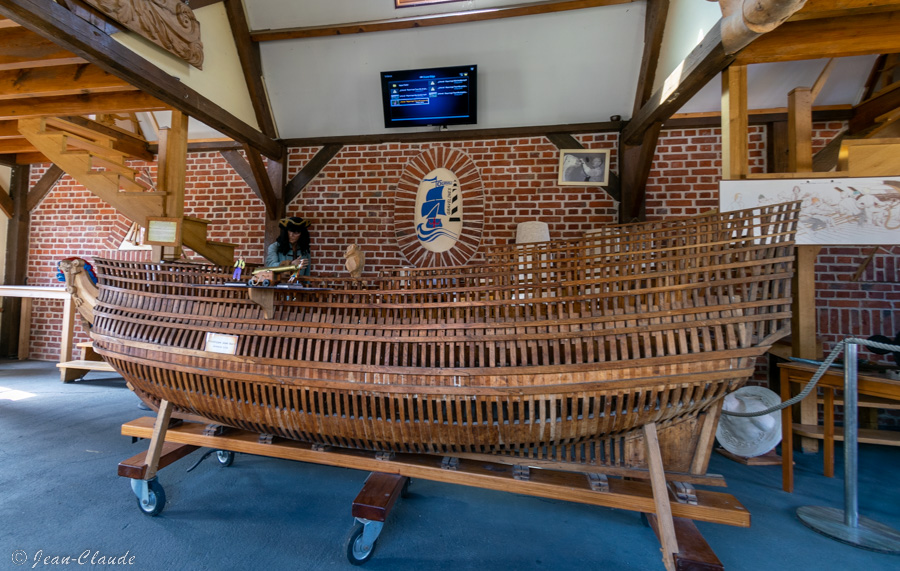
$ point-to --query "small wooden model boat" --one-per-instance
(557, 351)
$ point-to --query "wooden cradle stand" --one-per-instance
(668, 500)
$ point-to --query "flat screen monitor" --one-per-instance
(433, 96)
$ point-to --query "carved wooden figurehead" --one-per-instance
(170, 24)
(78, 283)
(356, 260)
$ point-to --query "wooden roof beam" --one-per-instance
(729, 36)
(52, 20)
(251, 64)
(654, 26)
(431, 20)
(863, 34)
(700, 66)
(819, 9)
(59, 80)
(124, 102)
(21, 48)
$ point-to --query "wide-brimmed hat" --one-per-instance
(750, 436)
(293, 223)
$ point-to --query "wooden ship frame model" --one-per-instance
(545, 370)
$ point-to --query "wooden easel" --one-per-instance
(643, 491)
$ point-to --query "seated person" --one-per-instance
(292, 246)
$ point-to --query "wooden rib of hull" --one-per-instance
(561, 350)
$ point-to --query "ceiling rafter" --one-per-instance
(123, 102)
(412, 22)
(251, 64)
(21, 48)
(59, 80)
(852, 35)
(69, 32)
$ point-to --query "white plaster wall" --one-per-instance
(221, 80)
(277, 14)
(687, 23)
(567, 67)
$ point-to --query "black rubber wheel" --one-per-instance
(355, 555)
(156, 499)
(225, 457)
(266, 283)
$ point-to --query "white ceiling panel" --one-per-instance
(768, 84)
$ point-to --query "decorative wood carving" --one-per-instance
(170, 24)
(472, 198)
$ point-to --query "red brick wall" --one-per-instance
(351, 201)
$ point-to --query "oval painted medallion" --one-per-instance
(439, 211)
(429, 224)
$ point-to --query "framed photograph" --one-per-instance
(408, 3)
(583, 167)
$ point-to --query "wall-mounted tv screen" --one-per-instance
(434, 96)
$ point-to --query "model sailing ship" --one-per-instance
(551, 351)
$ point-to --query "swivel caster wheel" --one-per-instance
(225, 457)
(362, 540)
(151, 498)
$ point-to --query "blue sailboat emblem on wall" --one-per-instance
(441, 203)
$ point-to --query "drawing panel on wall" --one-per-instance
(848, 211)
(583, 167)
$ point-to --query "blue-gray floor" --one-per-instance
(60, 496)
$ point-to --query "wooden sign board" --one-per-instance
(833, 211)
(220, 343)
(163, 231)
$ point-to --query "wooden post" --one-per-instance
(158, 439)
(172, 167)
(800, 130)
(735, 123)
(660, 496)
(25, 329)
(804, 328)
(16, 263)
(68, 331)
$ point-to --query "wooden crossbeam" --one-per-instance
(263, 183)
(58, 80)
(21, 48)
(863, 34)
(43, 187)
(126, 101)
(818, 9)
(309, 171)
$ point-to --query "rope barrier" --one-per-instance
(815, 378)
